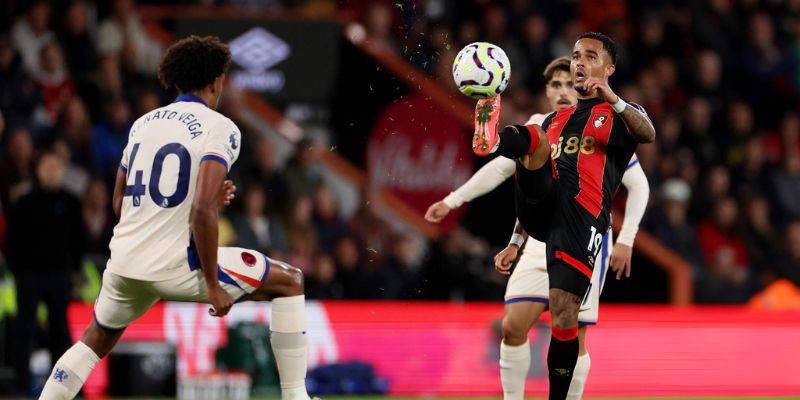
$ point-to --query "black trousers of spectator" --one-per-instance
(54, 289)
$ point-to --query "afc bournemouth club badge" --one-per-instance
(599, 120)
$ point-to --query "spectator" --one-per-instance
(111, 137)
(301, 234)
(372, 231)
(77, 41)
(698, 131)
(330, 225)
(400, 273)
(31, 33)
(19, 95)
(726, 275)
(54, 81)
(791, 269)
(122, 35)
(302, 173)
(349, 261)
(44, 249)
(741, 127)
(716, 185)
(16, 171)
(75, 128)
(76, 178)
(323, 283)
(99, 225)
(265, 171)
(255, 229)
(786, 186)
(761, 239)
(669, 223)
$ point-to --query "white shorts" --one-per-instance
(122, 300)
(529, 281)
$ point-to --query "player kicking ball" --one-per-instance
(169, 188)
(571, 166)
(527, 290)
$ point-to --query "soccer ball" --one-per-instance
(481, 70)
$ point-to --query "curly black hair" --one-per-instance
(193, 63)
(608, 44)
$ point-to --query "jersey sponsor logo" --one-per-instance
(248, 259)
(599, 120)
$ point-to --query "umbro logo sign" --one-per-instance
(258, 50)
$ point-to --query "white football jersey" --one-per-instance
(153, 239)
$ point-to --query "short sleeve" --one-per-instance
(123, 162)
(223, 143)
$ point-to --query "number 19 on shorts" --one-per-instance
(595, 241)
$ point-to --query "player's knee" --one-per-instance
(564, 308)
(514, 333)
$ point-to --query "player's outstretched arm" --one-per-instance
(205, 224)
(504, 259)
(486, 179)
(635, 181)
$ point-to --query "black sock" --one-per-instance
(515, 141)
(561, 360)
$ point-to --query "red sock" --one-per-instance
(534, 133)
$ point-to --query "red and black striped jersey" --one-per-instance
(590, 147)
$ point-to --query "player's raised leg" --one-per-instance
(284, 288)
(525, 142)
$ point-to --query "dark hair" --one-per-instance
(609, 45)
(559, 64)
(193, 63)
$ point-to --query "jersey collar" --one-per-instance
(190, 97)
(588, 103)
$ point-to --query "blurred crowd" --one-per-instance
(720, 79)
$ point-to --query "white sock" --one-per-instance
(579, 376)
(514, 364)
(288, 340)
(69, 373)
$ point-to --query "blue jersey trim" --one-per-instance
(632, 164)
(190, 98)
(604, 255)
(266, 269)
(103, 327)
(192, 255)
(582, 323)
(531, 298)
(123, 168)
(215, 158)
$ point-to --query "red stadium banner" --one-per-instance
(420, 153)
(452, 348)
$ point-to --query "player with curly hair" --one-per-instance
(169, 188)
